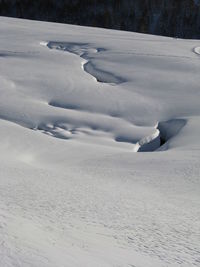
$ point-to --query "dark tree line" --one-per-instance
(166, 17)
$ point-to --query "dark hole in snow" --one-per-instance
(162, 141)
(168, 130)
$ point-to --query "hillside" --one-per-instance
(100, 148)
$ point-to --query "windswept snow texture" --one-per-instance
(76, 103)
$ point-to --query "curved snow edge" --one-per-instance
(158, 141)
(83, 50)
(149, 143)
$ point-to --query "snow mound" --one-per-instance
(197, 50)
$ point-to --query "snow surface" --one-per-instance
(76, 103)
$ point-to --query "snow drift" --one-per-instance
(75, 104)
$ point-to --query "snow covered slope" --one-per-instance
(76, 104)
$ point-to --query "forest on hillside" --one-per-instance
(180, 18)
